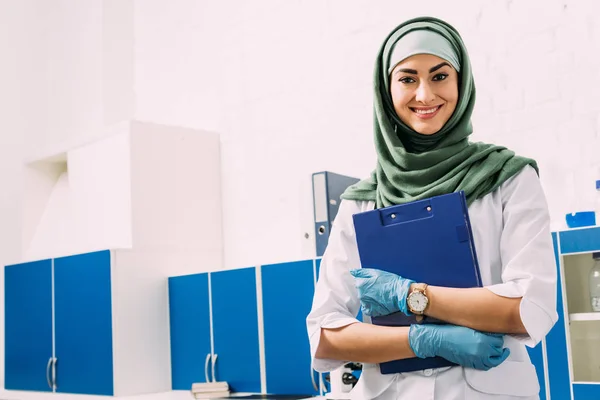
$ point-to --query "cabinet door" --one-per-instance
(287, 291)
(28, 325)
(189, 316)
(537, 358)
(235, 328)
(83, 324)
(556, 343)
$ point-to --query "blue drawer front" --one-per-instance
(235, 328)
(287, 291)
(556, 344)
(83, 324)
(28, 325)
(580, 240)
(582, 391)
(189, 316)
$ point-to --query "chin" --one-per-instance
(426, 130)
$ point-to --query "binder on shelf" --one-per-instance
(327, 189)
(428, 241)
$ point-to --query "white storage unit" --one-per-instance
(151, 195)
(573, 346)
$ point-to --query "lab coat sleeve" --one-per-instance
(335, 302)
(527, 255)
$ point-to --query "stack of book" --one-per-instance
(210, 390)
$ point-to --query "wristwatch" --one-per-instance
(417, 301)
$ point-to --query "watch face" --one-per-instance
(417, 301)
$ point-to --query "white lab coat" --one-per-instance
(516, 259)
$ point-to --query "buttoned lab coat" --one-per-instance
(511, 228)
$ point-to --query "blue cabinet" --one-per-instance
(28, 325)
(556, 340)
(68, 301)
(190, 329)
(287, 292)
(235, 329)
(215, 314)
(83, 324)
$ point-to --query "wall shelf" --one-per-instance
(590, 316)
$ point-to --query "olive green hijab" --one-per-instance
(412, 166)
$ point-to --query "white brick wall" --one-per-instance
(294, 83)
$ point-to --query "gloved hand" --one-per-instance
(463, 346)
(381, 292)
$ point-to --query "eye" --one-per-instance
(406, 80)
(440, 77)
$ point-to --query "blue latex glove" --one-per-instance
(381, 292)
(458, 344)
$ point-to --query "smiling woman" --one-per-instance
(424, 91)
(424, 95)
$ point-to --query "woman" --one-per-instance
(424, 97)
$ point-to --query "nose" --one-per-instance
(424, 93)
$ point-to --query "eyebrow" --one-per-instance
(432, 69)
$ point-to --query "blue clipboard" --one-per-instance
(428, 241)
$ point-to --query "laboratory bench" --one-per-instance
(567, 361)
(252, 340)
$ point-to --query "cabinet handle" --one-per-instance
(54, 360)
(312, 378)
(214, 361)
(48, 372)
(322, 384)
(208, 356)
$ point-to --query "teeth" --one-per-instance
(430, 111)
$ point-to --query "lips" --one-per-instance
(426, 112)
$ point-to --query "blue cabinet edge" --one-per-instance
(586, 391)
(57, 258)
(580, 240)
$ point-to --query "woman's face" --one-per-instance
(424, 90)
